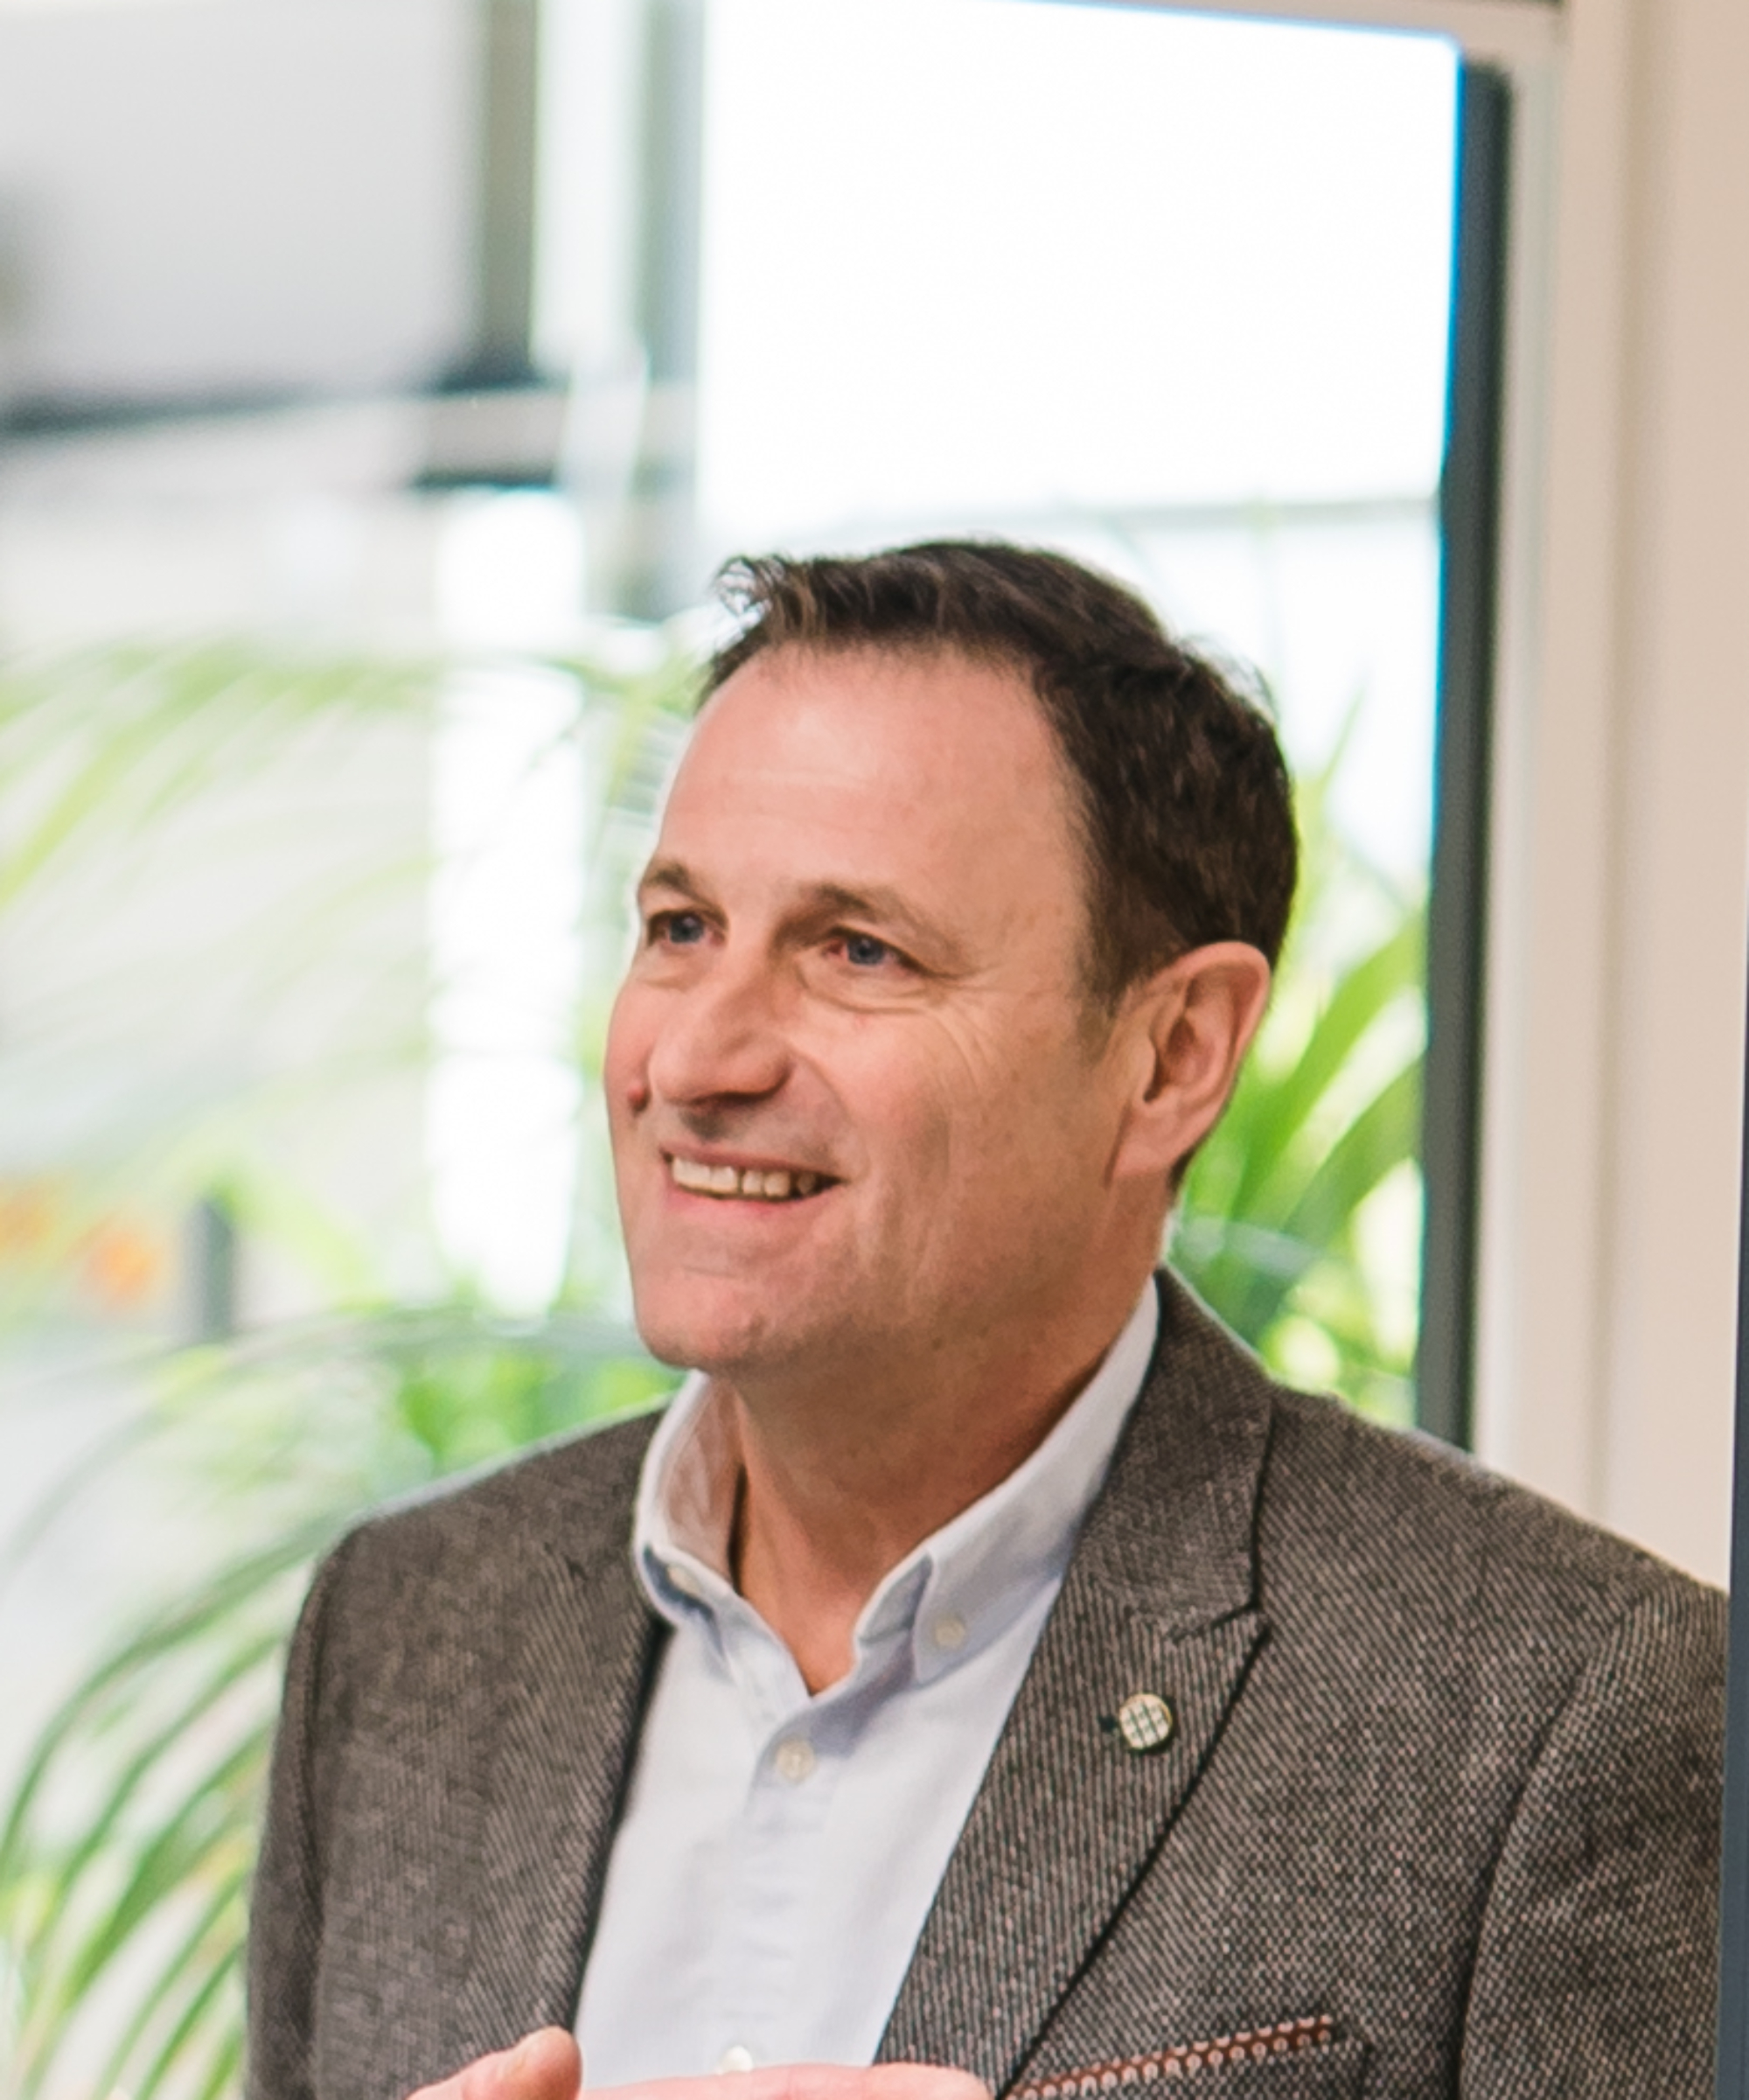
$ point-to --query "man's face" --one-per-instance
(855, 1103)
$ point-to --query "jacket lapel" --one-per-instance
(574, 1692)
(1159, 1598)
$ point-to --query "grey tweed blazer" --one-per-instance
(1439, 1815)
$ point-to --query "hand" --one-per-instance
(808, 2082)
(547, 2065)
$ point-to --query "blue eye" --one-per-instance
(864, 952)
(679, 929)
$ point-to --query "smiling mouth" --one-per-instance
(759, 1184)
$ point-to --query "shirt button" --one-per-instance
(794, 1760)
(949, 1632)
(735, 2057)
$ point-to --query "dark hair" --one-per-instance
(1186, 811)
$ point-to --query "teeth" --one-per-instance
(772, 1185)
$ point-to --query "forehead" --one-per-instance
(930, 783)
(929, 780)
(917, 762)
(933, 775)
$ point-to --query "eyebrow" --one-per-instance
(671, 874)
(878, 901)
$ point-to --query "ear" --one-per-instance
(1190, 1027)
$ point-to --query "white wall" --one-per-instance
(1621, 840)
(224, 195)
(1617, 1055)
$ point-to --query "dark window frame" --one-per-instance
(1458, 893)
(1733, 1933)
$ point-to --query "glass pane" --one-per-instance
(1170, 292)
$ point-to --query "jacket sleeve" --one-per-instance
(1596, 1966)
(285, 1913)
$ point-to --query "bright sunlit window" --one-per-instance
(1172, 292)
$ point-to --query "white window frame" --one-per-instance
(1618, 911)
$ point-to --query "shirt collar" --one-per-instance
(953, 1593)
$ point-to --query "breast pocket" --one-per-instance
(1333, 2073)
(1295, 2060)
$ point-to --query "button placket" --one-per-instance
(769, 1884)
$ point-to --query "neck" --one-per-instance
(844, 1476)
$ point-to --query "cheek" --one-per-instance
(1032, 1124)
(1015, 1081)
(625, 1055)
(937, 1118)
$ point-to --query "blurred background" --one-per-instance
(381, 382)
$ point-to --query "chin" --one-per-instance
(708, 1323)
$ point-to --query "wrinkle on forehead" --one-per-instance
(787, 724)
(790, 669)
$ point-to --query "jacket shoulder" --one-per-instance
(1378, 1522)
(573, 1497)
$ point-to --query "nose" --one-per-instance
(720, 1040)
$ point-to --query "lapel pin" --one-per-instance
(1145, 1721)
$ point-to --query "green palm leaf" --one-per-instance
(127, 1842)
(1324, 1124)
(126, 1851)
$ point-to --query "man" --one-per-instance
(983, 1665)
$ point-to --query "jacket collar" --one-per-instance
(1173, 1536)
(985, 1567)
(1159, 1599)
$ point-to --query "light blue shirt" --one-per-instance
(778, 1852)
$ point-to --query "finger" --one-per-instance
(545, 2065)
(811, 2082)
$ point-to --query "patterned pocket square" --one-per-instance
(1249, 2045)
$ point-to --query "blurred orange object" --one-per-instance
(122, 1265)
